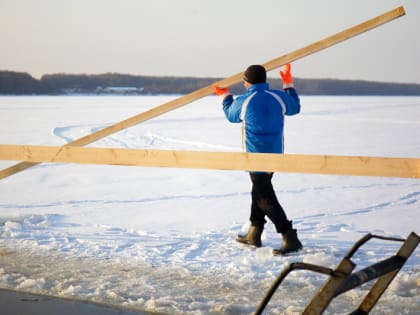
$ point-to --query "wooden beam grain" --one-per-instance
(292, 163)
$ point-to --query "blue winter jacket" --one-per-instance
(262, 112)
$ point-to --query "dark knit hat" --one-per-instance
(255, 74)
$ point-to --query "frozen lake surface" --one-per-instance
(163, 240)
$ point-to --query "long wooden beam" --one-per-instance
(292, 163)
(205, 91)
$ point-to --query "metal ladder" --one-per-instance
(343, 279)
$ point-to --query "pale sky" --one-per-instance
(200, 38)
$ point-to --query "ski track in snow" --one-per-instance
(405, 199)
(128, 139)
(204, 271)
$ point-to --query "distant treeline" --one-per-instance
(20, 83)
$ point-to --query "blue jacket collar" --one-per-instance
(258, 87)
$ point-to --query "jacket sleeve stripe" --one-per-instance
(278, 99)
(245, 106)
(242, 116)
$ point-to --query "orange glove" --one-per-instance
(220, 91)
(286, 75)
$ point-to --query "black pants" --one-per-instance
(265, 203)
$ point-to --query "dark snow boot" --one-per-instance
(253, 237)
(290, 243)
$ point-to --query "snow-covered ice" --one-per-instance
(163, 240)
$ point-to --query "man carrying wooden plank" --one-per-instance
(261, 112)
